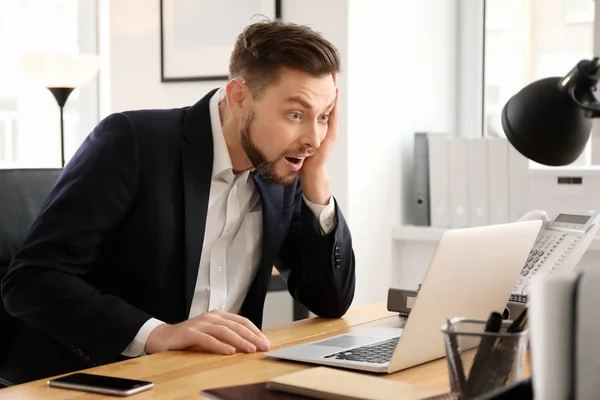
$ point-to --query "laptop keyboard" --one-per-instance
(379, 353)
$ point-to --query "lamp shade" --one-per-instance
(544, 123)
(61, 70)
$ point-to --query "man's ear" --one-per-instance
(237, 93)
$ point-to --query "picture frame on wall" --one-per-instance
(198, 36)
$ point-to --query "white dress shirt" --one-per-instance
(231, 250)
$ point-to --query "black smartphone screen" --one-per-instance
(100, 381)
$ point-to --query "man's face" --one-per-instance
(287, 124)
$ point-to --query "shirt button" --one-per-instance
(228, 230)
(217, 269)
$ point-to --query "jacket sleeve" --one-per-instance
(319, 269)
(45, 285)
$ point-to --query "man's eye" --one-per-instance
(295, 115)
(324, 117)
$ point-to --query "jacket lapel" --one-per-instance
(197, 161)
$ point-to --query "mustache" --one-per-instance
(303, 152)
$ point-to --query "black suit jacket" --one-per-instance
(119, 239)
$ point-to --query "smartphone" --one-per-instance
(101, 384)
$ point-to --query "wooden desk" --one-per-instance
(182, 375)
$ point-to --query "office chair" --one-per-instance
(22, 193)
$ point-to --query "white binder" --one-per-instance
(478, 175)
(498, 180)
(458, 182)
(518, 181)
(438, 180)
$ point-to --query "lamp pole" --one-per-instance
(61, 94)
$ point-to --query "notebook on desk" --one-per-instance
(326, 384)
(472, 274)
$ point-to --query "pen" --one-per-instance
(504, 354)
(459, 369)
(519, 323)
(477, 377)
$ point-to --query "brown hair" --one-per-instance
(264, 47)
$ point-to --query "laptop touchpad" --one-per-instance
(347, 341)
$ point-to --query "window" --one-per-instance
(29, 115)
(526, 40)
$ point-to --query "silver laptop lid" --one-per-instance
(472, 274)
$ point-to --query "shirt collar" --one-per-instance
(221, 159)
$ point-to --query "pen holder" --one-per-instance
(480, 361)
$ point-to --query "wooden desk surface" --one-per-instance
(182, 375)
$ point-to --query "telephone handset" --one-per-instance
(561, 243)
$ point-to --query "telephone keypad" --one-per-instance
(542, 248)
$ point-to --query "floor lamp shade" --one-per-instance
(61, 70)
(61, 74)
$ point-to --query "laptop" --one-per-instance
(472, 274)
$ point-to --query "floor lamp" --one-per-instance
(61, 74)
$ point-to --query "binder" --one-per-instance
(478, 174)
(438, 180)
(518, 179)
(458, 182)
(498, 180)
(420, 191)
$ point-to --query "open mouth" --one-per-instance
(294, 160)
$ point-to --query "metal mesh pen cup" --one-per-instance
(480, 361)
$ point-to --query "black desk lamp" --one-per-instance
(61, 74)
(549, 121)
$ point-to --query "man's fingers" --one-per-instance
(246, 322)
(226, 335)
(332, 129)
(258, 340)
(201, 341)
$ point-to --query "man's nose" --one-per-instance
(311, 137)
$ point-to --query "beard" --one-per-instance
(267, 168)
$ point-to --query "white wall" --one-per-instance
(435, 32)
(131, 47)
(381, 97)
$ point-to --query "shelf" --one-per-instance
(432, 234)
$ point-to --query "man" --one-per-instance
(161, 232)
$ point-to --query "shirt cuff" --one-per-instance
(325, 214)
(138, 344)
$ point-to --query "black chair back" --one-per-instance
(22, 193)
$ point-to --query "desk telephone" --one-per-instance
(561, 243)
(559, 246)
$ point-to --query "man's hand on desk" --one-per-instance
(213, 332)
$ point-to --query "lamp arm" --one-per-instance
(593, 108)
(580, 83)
